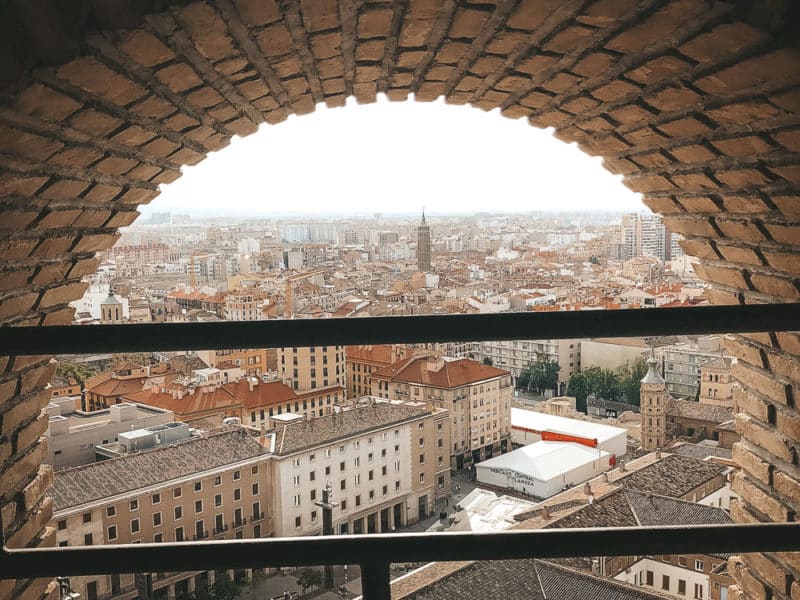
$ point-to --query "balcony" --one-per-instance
(239, 523)
(375, 552)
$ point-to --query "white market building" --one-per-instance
(543, 469)
(528, 426)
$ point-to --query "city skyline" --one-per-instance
(316, 156)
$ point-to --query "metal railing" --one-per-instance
(375, 552)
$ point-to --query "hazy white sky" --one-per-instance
(394, 158)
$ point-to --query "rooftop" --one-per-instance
(109, 478)
(310, 433)
(538, 421)
(516, 580)
(439, 372)
(689, 409)
(544, 461)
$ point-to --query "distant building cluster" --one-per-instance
(241, 443)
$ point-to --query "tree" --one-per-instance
(487, 360)
(604, 383)
(631, 375)
(594, 260)
(78, 372)
(539, 375)
(576, 386)
(309, 578)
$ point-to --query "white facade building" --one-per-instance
(543, 469)
(529, 426)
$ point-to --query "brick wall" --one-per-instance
(695, 102)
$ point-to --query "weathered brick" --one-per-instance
(63, 294)
(699, 204)
(145, 48)
(787, 262)
(59, 218)
(31, 432)
(760, 500)
(772, 573)
(23, 469)
(744, 350)
(208, 31)
(701, 248)
(12, 279)
(32, 525)
(44, 103)
(275, 40)
(740, 254)
(691, 226)
(658, 69)
(115, 165)
(767, 70)
(258, 12)
(614, 91)
(467, 23)
(531, 13)
(790, 173)
(784, 233)
(764, 437)
(684, 127)
(744, 113)
(723, 42)
(752, 463)
(60, 316)
(742, 178)
(789, 425)
(730, 276)
(93, 76)
(27, 145)
(693, 182)
(51, 273)
(694, 153)
(17, 305)
(740, 229)
(775, 285)
(789, 139)
(569, 38)
(122, 218)
(19, 184)
(674, 98)
(766, 383)
(743, 146)
(647, 183)
(34, 379)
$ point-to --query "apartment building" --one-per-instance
(515, 355)
(252, 361)
(681, 364)
(73, 434)
(387, 464)
(263, 400)
(362, 360)
(312, 367)
(477, 396)
(217, 486)
(242, 306)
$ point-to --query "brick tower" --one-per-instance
(653, 406)
(423, 245)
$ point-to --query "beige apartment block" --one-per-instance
(252, 361)
(387, 464)
(363, 359)
(211, 487)
(312, 367)
(477, 396)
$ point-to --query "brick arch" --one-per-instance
(695, 102)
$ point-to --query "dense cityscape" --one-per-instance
(481, 436)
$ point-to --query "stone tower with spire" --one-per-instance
(111, 309)
(423, 245)
(653, 405)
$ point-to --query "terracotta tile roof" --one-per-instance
(88, 483)
(445, 373)
(697, 410)
(202, 400)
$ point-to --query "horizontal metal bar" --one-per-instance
(376, 330)
(412, 547)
